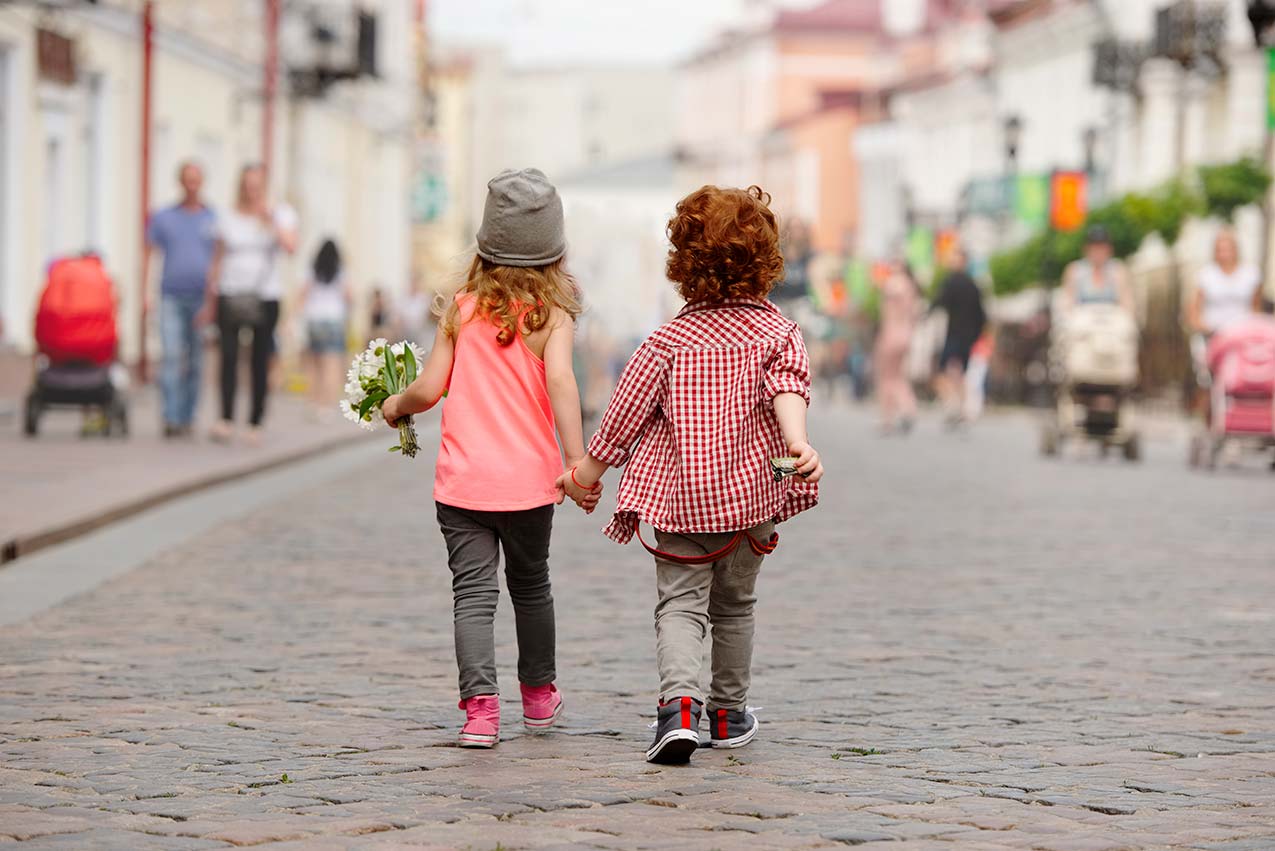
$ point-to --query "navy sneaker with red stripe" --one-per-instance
(676, 732)
(731, 728)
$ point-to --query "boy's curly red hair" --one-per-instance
(725, 245)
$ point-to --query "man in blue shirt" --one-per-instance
(184, 233)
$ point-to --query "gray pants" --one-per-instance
(693, 598)
(474, 542)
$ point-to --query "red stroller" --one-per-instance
(1241, 361)
(76, 337)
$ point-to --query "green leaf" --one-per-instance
(396, 448)
(409, 363)
(365, 406)
(391, 374)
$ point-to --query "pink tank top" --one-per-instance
(499, 449)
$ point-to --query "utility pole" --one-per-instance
(270, 86)
(148, 48)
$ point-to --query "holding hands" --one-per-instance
(569, 485)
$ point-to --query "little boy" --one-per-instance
(700, 410)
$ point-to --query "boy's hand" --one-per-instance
(808, 463)
(390, 410)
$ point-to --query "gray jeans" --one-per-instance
(694, 598)
(474, 542)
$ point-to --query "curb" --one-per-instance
(24, 545)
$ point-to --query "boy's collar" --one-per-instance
(726, 304)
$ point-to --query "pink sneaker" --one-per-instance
(482, 721)
(541, 706)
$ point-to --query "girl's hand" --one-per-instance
(390, 410)
(808, 463)
(586, 499)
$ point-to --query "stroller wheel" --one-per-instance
(31, 417)
(1213, 453)
(1049, 440)
(1133, 448)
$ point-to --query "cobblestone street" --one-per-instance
(963, 647)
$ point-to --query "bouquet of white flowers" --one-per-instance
(377, 373)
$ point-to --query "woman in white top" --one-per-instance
(326, 301)
(244, 288)
(1227, 290)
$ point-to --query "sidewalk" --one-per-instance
(59, 485)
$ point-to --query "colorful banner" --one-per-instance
(1270, 87)
(1068, 200)
(919, 252)
(1031, 200)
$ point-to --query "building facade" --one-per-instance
(71, 138)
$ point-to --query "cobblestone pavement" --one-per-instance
(59, 481)
(964, 647)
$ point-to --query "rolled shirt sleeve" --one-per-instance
(636, 398)
(789, 371)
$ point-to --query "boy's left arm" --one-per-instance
(788, 384)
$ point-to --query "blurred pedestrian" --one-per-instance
(1097, 278)
(900, 303)
(415, 316)
(244, 289)
(326, 300)
(976, 376)
(962, 300)
(185, 234)
(1227, 292)
(379, 315)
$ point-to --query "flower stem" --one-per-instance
(407, 437)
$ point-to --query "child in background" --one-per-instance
(701, 408)
(503, 353)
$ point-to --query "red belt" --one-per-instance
(759, 547)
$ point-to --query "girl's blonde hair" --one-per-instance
(518, 299)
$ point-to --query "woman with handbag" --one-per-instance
(244, 289)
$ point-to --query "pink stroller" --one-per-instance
(1242, 364)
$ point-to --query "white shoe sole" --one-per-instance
(474, 740)
(676, 746)
(738, 741)
(539, 725)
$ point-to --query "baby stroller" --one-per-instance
(76, 338)
(1095, 356)
(1241, 362)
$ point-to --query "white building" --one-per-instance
(1032, 62)
(70, 137)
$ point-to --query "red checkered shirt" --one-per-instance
(693, 418)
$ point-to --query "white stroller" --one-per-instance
(1095, 359)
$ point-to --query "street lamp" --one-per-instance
(1089, 141)
(1013, 136)
(1261, 14)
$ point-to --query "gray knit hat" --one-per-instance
(522, 221)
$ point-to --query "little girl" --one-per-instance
(503, 355)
